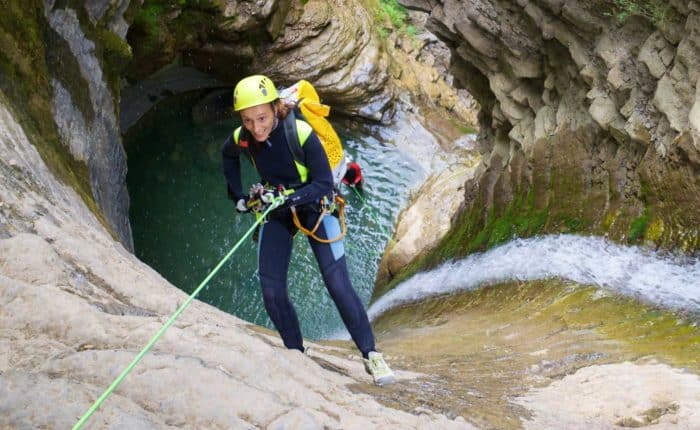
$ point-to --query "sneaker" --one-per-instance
(377, 367)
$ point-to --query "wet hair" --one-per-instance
(282, 108)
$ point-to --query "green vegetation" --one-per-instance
(521, 217)
(639, 226)
(411, 30)
(471, 233)
(462, 127)
(149, 17)
(396, 13)
(656, 11)
(390, 16)
(116, 55)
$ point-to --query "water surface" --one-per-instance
(183, 223)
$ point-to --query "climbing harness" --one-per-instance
(327, 207)
(274, 203)
(260, 197)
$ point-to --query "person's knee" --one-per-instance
(331, 268)
(272, 288)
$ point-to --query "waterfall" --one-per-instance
(667, 280)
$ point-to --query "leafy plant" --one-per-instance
(391, 15)
(656, 11)
(396, 13)
(639, 226)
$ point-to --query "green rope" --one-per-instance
(371, 212)
(376, 220)
(276, 202)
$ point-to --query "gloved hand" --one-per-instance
(268, 196)
(276, 197)
(242, 205)
(255, 191)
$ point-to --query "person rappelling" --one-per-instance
(292, 164)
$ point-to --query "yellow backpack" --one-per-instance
(309, 108)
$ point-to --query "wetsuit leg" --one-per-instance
(274, 253)
(331, 261)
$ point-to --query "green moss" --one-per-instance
(116, 55)
(147, 36)
(149, 17)
(610, 219)
(411, 30)
(520, 218)
(656, 11)
(116, 51)
(395, 12)
(655, 230)
(639, 226)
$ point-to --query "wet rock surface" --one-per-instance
(544, 354)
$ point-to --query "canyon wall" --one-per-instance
(589, 121)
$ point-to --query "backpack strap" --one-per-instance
(291, 132)
(296, 132)
(237, 134)
(242, 139)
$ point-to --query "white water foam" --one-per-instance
(665, 280)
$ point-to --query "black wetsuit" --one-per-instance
(274, 162)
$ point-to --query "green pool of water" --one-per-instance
(183, 223)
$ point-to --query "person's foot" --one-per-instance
(377, 367)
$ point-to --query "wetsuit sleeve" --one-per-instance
(320, 177)
(231, 153)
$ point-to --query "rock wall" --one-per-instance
(589, 119)
(330, 43)
(90, 129)
(60, 69)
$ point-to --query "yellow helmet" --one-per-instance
(252, 91)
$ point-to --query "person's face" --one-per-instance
(259, 120)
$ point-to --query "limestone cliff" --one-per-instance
(589, 119)
(60, 68)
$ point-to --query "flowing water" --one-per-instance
(484, 330)
(655, 278)
(183, 222)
